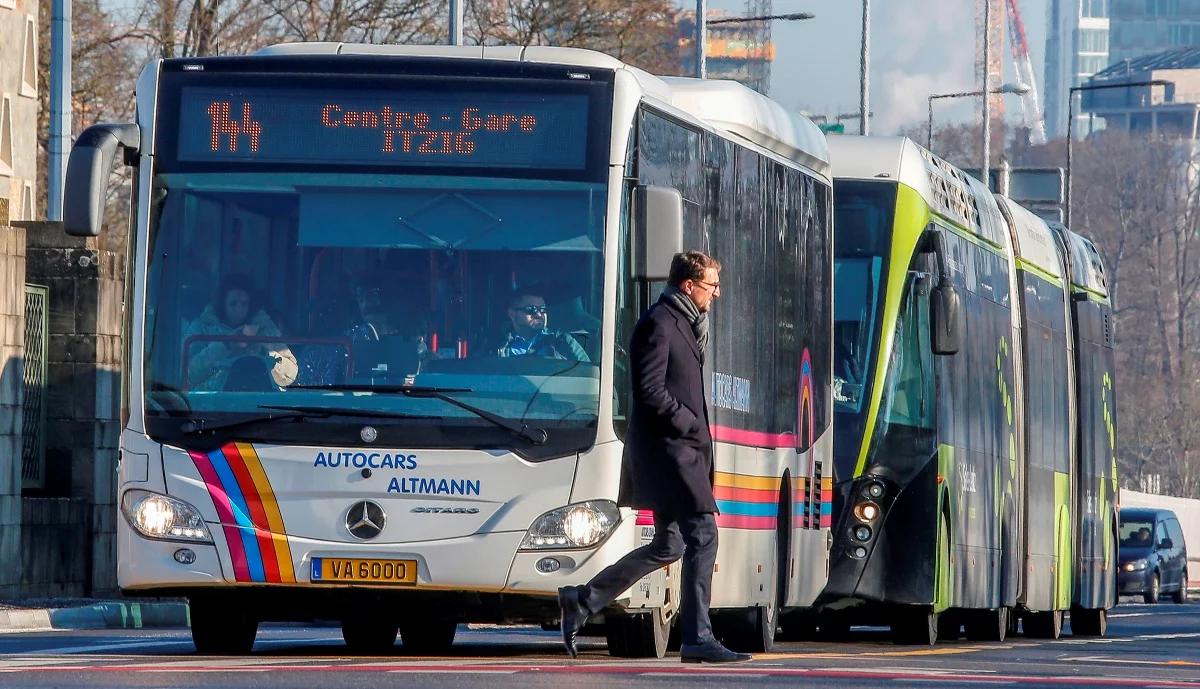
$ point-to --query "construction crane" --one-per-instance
(995, 36)
(1030, 107)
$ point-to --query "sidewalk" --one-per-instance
(90, 613)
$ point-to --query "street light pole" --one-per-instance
(1017, 89)
(1071, 118)
(701, 38)
(864, 84)
(456, 22)
(985, 165)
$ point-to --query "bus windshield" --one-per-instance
(265, 287)
(862, 238)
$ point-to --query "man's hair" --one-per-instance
(690, 265)
(519, 294)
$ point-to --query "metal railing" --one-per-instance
(33, 443)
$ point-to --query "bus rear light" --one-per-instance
(859, 552)
(866, 512)
(861, 532)
(873, 490)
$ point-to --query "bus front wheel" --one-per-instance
(220, 629)
(639, 635)
(427, 637)
(987, 625)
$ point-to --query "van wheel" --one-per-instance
(1151, 594)
(1089, 621)
(218, 629)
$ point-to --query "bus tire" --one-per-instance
(1046, 624)
(427, 637)
(639, 635)
(1181, 595)
(987, 625)
(369, 636)
(1089, 621)
(218, 629)
(751, 630)
(916, 626)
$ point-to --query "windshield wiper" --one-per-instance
(295, 413)
(536, 436)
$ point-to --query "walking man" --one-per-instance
(668, 464)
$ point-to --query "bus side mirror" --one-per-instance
(88, 168)
(946, 310)
(657, 231)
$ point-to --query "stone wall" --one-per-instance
(12, 358)
(54, 539)
(83, 387)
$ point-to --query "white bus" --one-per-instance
(332, 246)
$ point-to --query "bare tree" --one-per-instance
(641, 33)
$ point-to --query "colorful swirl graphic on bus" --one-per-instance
(248, 512)
(806, 431)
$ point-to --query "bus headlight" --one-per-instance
(159, 516)
(582, 525)
(1135, 566)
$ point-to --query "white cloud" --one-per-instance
(930, 48)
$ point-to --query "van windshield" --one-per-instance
(1136, 534)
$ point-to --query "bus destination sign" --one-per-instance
(418, 128)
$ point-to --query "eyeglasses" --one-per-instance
(532, 310)
(714, 286)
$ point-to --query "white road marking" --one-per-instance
(100, 648)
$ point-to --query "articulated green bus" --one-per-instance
(965, 492)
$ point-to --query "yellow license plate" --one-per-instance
(343, 570)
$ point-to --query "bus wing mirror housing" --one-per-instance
(88, 168)
(657, 230)
(946, 308)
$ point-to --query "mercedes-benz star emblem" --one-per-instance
(365, 519)
(368, 434)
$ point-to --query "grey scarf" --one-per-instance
(699, 321)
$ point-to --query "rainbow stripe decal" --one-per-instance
(751, 502)
(248, 512)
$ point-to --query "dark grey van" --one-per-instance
(1153, 555)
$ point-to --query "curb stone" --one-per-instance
(100, 615)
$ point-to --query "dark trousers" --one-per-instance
(693, 537)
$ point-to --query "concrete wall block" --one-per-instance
(12, 375)
(49, 235)
(60, 389)
(84, 385)
(61, 304)
(87, 300)
(10, 556)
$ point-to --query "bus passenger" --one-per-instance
(235, 313)
(530, 334)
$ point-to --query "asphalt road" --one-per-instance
(1147, 646)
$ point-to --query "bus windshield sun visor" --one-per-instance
(536, 436)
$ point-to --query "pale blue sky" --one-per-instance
(918, 47)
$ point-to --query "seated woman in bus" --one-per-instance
(530, 334)
(235, 313)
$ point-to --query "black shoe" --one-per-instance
(574, 616)
(710, 652)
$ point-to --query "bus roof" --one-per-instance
(1033, 240)
(948, 191)
(724, 105)
(742, 111)
(1087, 268)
